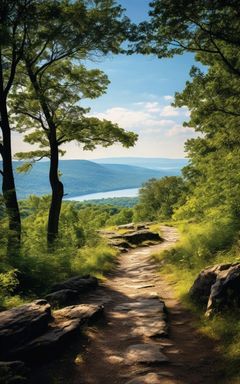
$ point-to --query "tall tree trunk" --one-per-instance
(57, 191)
(56, 185)
(8, 185)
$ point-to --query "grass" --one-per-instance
(96, 261)
(155, 227)
(62, 264)
(202, 245)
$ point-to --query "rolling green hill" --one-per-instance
(82, 177)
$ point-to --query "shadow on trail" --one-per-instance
(98, 356)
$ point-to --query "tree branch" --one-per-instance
(15, 58)
(225, 60)
(53, 60)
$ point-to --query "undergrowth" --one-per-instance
(202, 245)
(78, 251)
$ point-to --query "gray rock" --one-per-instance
(160, 329)
(79, 284)
(135, 235)
(145, 354)
(201, 287)
(225, 293)
(147, 312)
(65, 323)
(21, 324)
(13, 372)
(120, 243)
(142, 303)
(133, 226)
(139, 237)
(82, 312)
(62, 297)
(218, 287)
(126, 226)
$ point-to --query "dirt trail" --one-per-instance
(121, 349)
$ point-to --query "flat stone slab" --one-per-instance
(81, 312)
(21, 324)
(66, 321)
(158, 330)
(145, 354)
(142, 312)
(141, 304)
(150, 378)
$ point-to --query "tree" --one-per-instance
(213, 172)
(205, 26)
(69, 122)
(159, 197)
(55, 51)
(14, 15)
(210, 29)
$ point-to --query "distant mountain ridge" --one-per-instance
(145, 162)
(81, 177)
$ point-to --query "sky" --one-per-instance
(139, 99)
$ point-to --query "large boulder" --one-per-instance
(21, 324)
(218, 287)
(134, 235)
(66, 322)
(141, 236)
(225, 292)
(201, 287)
(79, 284)
(62, 297)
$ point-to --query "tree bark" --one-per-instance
(56, 185)
(57, 191)
(8, 184)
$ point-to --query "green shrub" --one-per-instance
(8, 284)
(94, 260)
(200, 243)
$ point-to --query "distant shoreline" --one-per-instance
(129, 192)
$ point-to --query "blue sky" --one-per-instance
(139, 99)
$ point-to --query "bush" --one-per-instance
(200, 243)
(78, 249)
(94, 260)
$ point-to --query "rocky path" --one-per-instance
(146, 336)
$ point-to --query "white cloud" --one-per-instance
(148, 118)
(178, 130)
(168, 98)
(145, 119)
(159, 127)
(127, 118)
(168, 110)
(152, 107)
